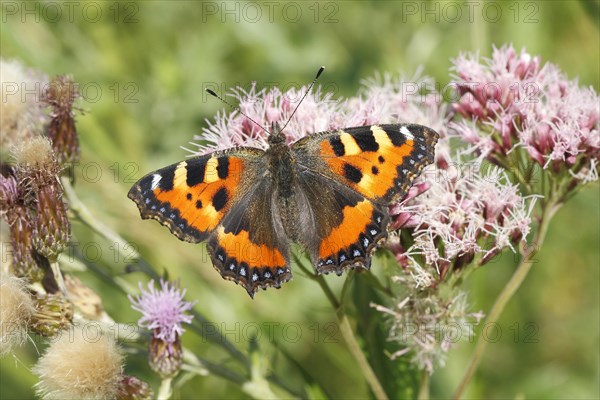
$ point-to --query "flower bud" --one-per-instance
(37, 169)
(53, 314)
(60, 95)
(19, 219)
(165, 358)
(132, 388)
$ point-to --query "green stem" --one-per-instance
(506, 294)
(347, 333)
(424, 386)
(165, 391)
(97, 226)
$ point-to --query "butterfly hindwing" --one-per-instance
(347, 226)
(250, 246)
(193, 196)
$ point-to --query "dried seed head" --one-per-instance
(80, 364)
(16, 310)
(21, 113)
(37, 170)
(85, 300)
(35, 154)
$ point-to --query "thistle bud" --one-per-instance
(60, 95)
(19, 218)
(38, 171)
(165, 358)
(53, 314)
(132, 388)
(85, 300)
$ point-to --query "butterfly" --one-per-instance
(329, 192)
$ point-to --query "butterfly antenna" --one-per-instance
(307, 91)
(212, 93)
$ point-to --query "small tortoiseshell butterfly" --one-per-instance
(328, 192)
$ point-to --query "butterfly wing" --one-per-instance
(221, 198)
(349, 177)
(250, 246)
(379, 161)
(345, 227)
(192, 197)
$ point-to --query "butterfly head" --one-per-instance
(276, 135)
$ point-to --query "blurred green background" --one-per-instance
(143, 68)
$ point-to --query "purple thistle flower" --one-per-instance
(163, 310)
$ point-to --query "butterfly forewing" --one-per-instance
(378, 161)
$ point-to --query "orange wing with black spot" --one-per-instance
(350, 177)
(192, 197)
(378, 161)
(223, 199)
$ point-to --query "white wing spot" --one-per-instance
(404, 130)
(155, 181)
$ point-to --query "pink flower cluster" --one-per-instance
(458, 215)
(516, 102)
(382, 100)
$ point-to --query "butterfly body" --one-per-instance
(327, 192)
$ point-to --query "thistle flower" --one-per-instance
(60, 95)
(21, 113)
(16, 310)
(80, 364)
(163, 312)
(518, 104)
(37, 170)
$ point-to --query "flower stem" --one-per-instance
(347, 333)
(424, 386)
(97, 226)
(506, 294)
(165, 391)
